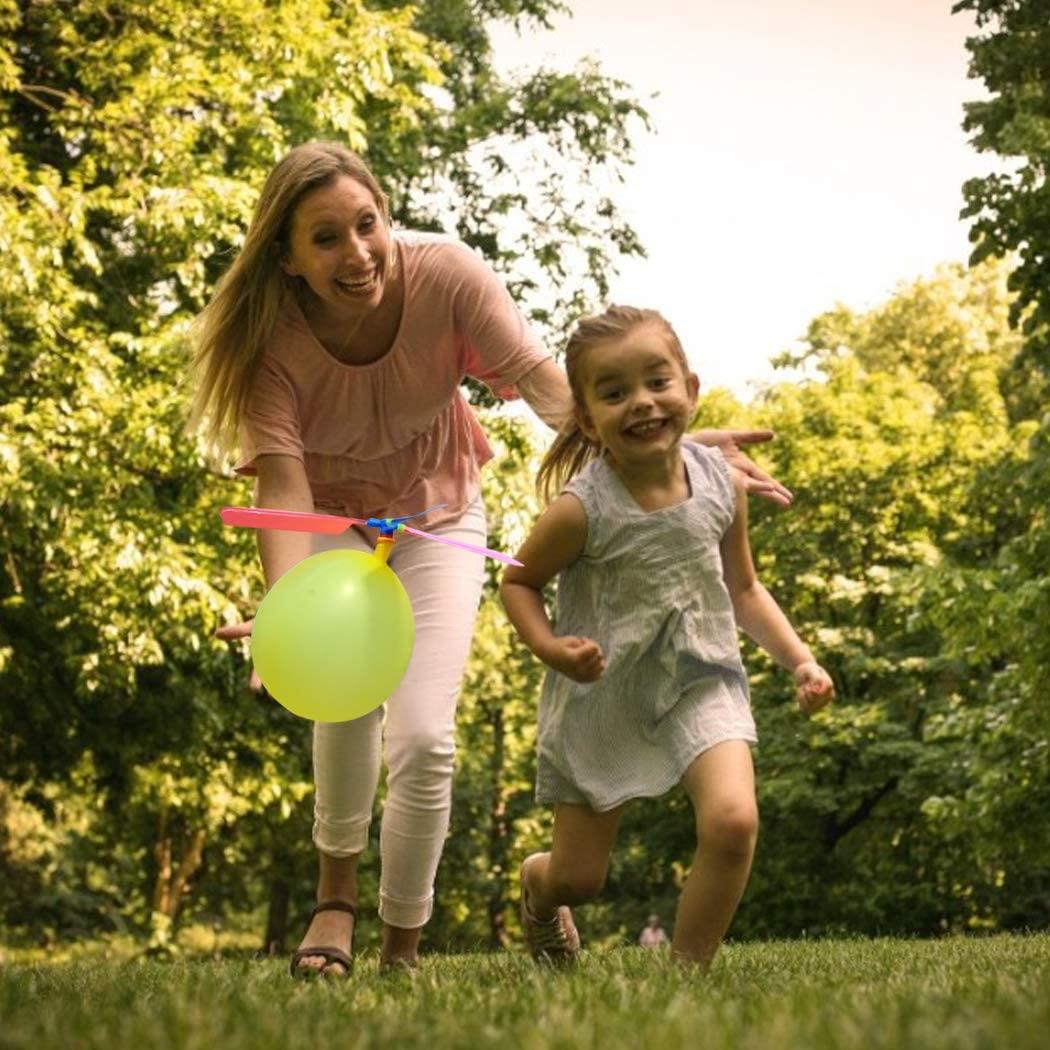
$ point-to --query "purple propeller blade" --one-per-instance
(498, 555)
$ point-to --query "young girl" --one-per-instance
(646, 688)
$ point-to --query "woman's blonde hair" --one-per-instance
(231, 333)
(572, 450)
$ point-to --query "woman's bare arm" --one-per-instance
(282, 485)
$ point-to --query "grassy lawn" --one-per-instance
(959, 992)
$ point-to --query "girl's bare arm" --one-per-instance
(556, 540)
(761, 618)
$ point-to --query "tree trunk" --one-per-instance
(277, 913)
(499, 841)
(173, 880)
(162, 855)
(834, 830)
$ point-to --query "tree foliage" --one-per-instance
(1010, 213)
(1010, 210)
(134, 137)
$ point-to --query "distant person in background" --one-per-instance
(652, 935)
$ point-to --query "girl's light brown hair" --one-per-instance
(572, 450)
(231, 333)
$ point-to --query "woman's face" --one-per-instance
(340, 246)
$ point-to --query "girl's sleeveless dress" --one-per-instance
(648, 588)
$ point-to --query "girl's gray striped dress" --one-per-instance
(648, 588)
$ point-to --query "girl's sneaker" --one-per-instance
(554, 940)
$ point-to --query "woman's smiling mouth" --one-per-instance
(357, 285)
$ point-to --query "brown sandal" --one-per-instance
(330, 954)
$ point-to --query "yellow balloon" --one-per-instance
(333, 636)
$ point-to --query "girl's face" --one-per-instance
(637, 396)
(340, 246)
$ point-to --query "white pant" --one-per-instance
(444, 585)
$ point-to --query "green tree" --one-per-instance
(133, 140)
(1010, 210)
(1005, 613)
(496, 726)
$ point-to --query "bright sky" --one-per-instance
(805, 152)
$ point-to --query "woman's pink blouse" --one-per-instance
(396, 435)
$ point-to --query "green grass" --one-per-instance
(960, 993)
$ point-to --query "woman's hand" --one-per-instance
(815, 687)
(580, 659)
(231, 633)
(758, 482)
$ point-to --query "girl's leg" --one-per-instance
(444, 584)
(574, 870)
(721, 785)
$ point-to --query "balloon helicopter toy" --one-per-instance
(333, 636)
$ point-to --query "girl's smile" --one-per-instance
(649, 428)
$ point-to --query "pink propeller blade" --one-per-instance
(288, 520)
(498, 555)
